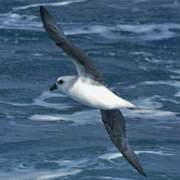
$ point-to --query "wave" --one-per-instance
(40, 176)
(149, 108)
(112, 156)
(113, 178)
(151, 31)
(174, 4)
(177, 94)
(54, 175)
(145, 32)
(92, 29)
(140, 1)
(152, 107)
(78, 118)
(168, 4)
(38, 117)
(19, 22)
(66, 168)
(142, 53)
(14, 20)
(173, 83)
(62, 3)
(41, 101)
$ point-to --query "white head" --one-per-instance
(64, 83)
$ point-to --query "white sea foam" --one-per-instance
(39, 117)
(52, 175)
(177, 94)
(14, 20)
(112, 178)
(37, 54)
(173, 83)
(17, 104)
(161, 153)
(68, 168)
(141, 53)
(148, 108)
(92, 29)
(138, 31)
(177, 71)
(32, 174)
(113, 155)
(174, 4)
(79, 118)
(141, 32)
(62, 3)
(17, 21)
(110, 156)
(151, 31)
(41, 101)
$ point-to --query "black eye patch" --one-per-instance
(60, 81)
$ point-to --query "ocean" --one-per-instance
(48, 136)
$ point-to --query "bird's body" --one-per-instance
(91, 93)
(88, 88)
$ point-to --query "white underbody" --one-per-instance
(97, 96)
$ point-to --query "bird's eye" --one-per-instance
(60, 81)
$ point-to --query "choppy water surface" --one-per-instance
(136, 45)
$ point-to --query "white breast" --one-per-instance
(97, 96)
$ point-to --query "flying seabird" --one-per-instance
(89, 88)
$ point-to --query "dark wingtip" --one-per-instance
(55, 32)
(42, 13)
(133, 160)
(41, 10)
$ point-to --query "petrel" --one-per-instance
(89, 88)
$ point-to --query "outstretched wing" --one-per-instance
(115, 125)
(83, 64)
(113, 120)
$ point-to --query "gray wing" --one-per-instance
(83, 64)
(115, 125)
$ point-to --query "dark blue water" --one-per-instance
(136, 45)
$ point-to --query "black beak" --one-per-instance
(52, 88)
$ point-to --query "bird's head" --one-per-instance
(63, 83)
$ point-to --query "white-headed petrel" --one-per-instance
(88, 88)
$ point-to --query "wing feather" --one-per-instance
(115, 125)
(83, 63)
